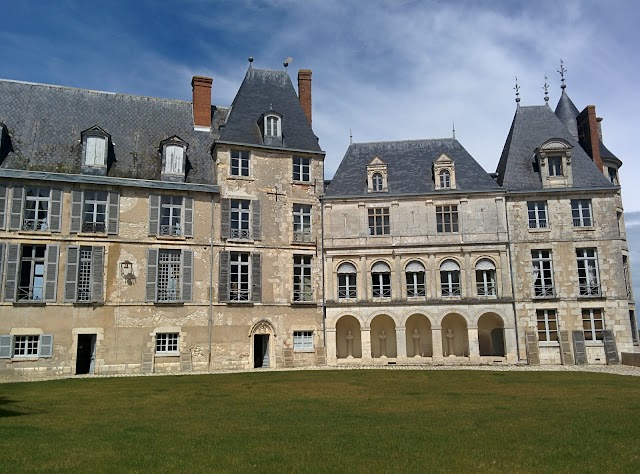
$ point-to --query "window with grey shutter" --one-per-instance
(51, 272)
(154, 214)
(56, 210)
(223, 277)
(76, 211)
(97, 274)
(152, 274)
(1, 266)
(187, 275)
(5, 346)
(46, 345)
(255, 220)
(11, 280)
(256, 278)
(225, 218)
(17, 201)
(114, 212)
(71, 274)
(188, 216)
(3, 206)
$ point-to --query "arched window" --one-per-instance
(381, 280)
(486, 277)
(415, 279)
(377, 182)
(347, 279)
(272, 126)
(450, 278)
(445, 179)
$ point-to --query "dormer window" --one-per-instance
(377, 176)
(272, 126)
(174, 153)
(554, 163)
(95, 150)
(612, 174)
(444, 172)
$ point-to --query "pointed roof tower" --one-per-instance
(566, 110)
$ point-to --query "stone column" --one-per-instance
(467, 273)
(329, 279)
(474, 347)
(432, 283)
(505, 272)
(401, 342)
(332, 350)
(396, 293)
(436, 339)
(510, 344)
(363, 278)
(365, 337)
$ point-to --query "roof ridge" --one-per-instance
(408, 140)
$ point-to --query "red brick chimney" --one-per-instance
(304, 91)
(588, 135)
(201, 101)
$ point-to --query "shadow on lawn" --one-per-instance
(4, 412)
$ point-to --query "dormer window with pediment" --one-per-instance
(271, 127)
(377, 176)
(444, 172)
(554, 163)
(95, 150)
(174, 153)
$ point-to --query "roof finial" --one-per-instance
(286, 62)
(270, 106)
(454, 129)
(562, 70)
(517, 89)
(350, 136)
(250, 61)
(546, 90)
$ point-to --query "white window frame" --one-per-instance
(377, 184)
(36, 288)
(542, 272)
(94, 155)
(169, 281)
(39, 220)
(588, 273)
(547, 325)
(167, 343)
(28, 344)
(486, 280)
(303, 341)
(347, 283)
(379, 221)
(93, 210)
(581, 213)
(447, 219)
(240, 219)
(381, 283)
(171, 215)
(302, 169)
(450, 285)
(240, 164)
(302, 223)
(174, 158)
(302, 283)
(555, 167)
(272, 126)
(445, 179)
(591, 319)
(239, 276)
(415, 281)
(537, 214)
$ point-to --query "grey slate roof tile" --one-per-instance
(263, 91)
(567, 112)
(45, 122)
(409, 168)
(531, 127)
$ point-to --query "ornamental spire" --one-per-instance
(517, 89)
(562, 70)
(546, 90)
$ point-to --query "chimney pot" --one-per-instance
(304, 91)
(201, 101)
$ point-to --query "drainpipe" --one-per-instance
(210, 321)
(324, 309)
(511, 270)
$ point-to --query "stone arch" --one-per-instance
(262, 344)
(455, 336)
(491, 335)
(418, 324)
(264, 326)
(383, 337)
(348, 338)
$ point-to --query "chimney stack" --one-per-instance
(588, 135)
(304, 91)
(201, 102)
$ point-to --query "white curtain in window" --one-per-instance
(347, 268)
(485, 264)
(95, 150)
(173, 159)
(449, 266)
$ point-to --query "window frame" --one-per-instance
(269, 129)
(377, 182)
(444, 178)
(240, 271)
(581, 215)
(415, 281)
(381, 282)
(486, 280)
(588, 281)
(301, 169)
(302, 279)
(37, 223)
(303, 341)
(589, 325)
(168, 285)
(555, 166)
(240, 163)
(98, 162)
(302, 223)
(240, 219)
(91, 198)
(538, 216)
(379, 219)
(173, 165)
(165, 341)
(171, 216)
(28, 293)
(347, 282)
(547, 317)
(447, 219)
(450, 281)
(27, 342)
(543, 272)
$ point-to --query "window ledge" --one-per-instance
(29, 303)
(169, 303)
(548, 344)
(241, 178)
(86, 303)
(171, 237)
(167, 354)
(304, 303)
(24, 359)
(304, 351)
(584, 228)
(303, 183)
(35, 232)
(379, 235)
(240, 241)
(92, 234)
(347, 300)
(447, 233)
(592, 297)
(594, 343)
(239, 303)
(300, 243)
(539, 229)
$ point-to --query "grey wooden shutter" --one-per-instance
(255, 220)
(114, 212)
(51, 272)
(1, 266)
(610, 350)
(223, 277)
(187, 275)
(46, 345)
(225, 218)
(11, 281)
(56, 210)
(152, 274)
(533, 352)
(154, 214)
(188, 217)
(256, 278)
(147, 363)
(579, 347)
(97, 274)
(17, 201)
(3, 206)
(5, 346)
(71, 274)
(76, 211)
(565, 348)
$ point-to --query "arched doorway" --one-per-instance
(491, 335)
(383, 337)
(262, 337)
(455, 337)
(348, 339)
(418, 336)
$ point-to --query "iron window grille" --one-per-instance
(450, 279)
(415, 280)
(347, 280)
(381, 280)
(486, 278)
(169, 275)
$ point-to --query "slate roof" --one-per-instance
(409, 168)
(567, 112)
(531, 127)
(263, 91)
(45, 122)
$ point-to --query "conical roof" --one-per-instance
(567, 112)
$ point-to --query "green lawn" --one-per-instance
(341, 421)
